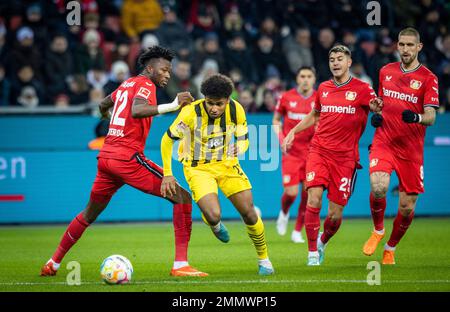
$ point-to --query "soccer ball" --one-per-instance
(116, 269)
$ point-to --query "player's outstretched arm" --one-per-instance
(104, 107)
(427, 118)
(307, 122)
(141, 109)
(168, 184)
(277, 124)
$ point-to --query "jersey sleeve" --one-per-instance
(380, 81)
(431, 96)
(182, 124)
(368, 94)
(146, 91)
(281, 108)
(317, 105)
(241, 133)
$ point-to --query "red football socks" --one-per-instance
(312, 226)
(377, 208)
(70, 237)
(301, 212)
(330, 227)
(182, 224)
(401, 225)
(286, 202)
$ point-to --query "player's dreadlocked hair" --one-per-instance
(154, 53)
(217, 87)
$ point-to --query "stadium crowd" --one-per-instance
(259, 44)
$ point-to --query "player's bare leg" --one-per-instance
(405, 215)
(73, 233)
(296, 235)
(210, 207)
(330, 227)
(243, 202)
(312, 222)
(289, 194)
(379, 183)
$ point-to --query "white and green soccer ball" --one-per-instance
(116, 269)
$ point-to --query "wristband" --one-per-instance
(420, 118)
(169, 107)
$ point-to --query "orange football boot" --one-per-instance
(388, 257)
(371, 245)
(187, 271)
(48, 269)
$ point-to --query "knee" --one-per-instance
(250, 216)
(314, 201)
(212, 216)
(406, 208)
(292, 192)
(379, 190)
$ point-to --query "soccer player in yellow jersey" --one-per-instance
(213, 132)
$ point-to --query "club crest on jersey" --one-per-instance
(350, 95)
(324, 94)
(415, 84)
(292, 104)
(286, 178)
(144, 92)
(373, 162)
(310, 176)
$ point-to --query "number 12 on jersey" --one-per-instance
(119, 106)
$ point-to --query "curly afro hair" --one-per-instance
(155, 52)
(217, 87)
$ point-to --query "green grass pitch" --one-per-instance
(423, 259)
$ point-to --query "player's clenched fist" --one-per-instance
(184, 98)
(168, 186)
(376, 105)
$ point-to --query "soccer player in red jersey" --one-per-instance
(121, 160)
(293, 106)
(410, 95)
(343, 104)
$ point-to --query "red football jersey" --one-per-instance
(294, 107)
(127, 135)
(403, 90)
(343, 116)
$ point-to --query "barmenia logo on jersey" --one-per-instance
(338, 109)
(400, 96)
(415, 84)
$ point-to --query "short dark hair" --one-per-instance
(217, 86)
(154, 53)
(409, 31)
(340, 48)
(312, 69)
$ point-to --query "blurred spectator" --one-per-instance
(121, 52)
(443, 70)
(247, 101)
(269, 28)
(346, 14)
(26, 90)
(101, 130)
(3, 45)
(96, 77)
(95, 97)
(36, 23)
(58, 65)
(357, 70)
(5, 86)
(148, 40)
(266, 56)
(325, 43)
(297, 50)
(89, 53)
(232, 22)
(172, 33)
(119, 73)
(209, 68)
(62, 101)
(139, 16)
(24, 53)
(269, 102)
(386, 53)
(210, 50)
(78, 89)
(272, 85)
(238, 55)
(181, 80)
(203, 18)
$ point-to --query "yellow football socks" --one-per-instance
(256, 234)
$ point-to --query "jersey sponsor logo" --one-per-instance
(388, 78)
(116, 132)
(215, 142)
(144, 92)
(338, 109)
(400, 95)
(286, 178)
(324, 94)
(295, 116)
(373, 162)
(127, 84)
(292, 104)
(415, 84)
(350, 96)
(310, 176)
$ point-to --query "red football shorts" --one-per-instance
(338, 177)
(293, 169)
(138, 172)
(409, 173)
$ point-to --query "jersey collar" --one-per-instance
(342, 84)
(409, 71)
(305, 96)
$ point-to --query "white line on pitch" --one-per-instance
(238, 282)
